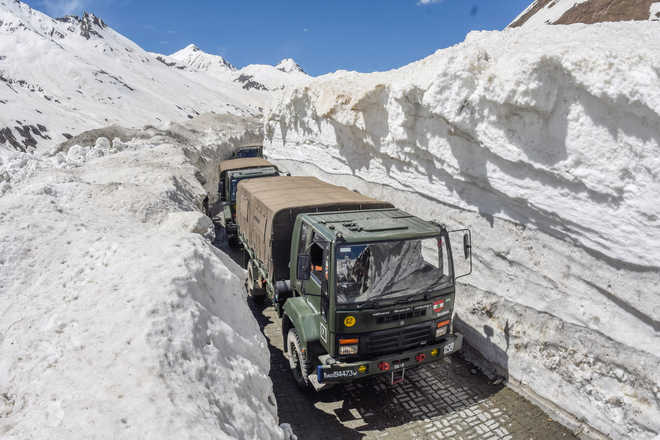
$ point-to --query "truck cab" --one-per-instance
(372, 292)
(249, 151)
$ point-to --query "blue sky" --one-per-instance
(322, 36)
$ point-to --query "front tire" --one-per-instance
(298, 362)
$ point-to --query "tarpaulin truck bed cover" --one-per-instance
(266, 210)
(243, 163)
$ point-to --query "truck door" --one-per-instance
(317, 247)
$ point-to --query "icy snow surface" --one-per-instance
(546, 143)
(119, 318)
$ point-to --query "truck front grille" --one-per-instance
(405, 338)
(401, 316)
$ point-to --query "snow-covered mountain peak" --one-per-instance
(89, 24)
(289, 65)
(192, 56)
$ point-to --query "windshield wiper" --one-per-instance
(409, 299)
(373, 302)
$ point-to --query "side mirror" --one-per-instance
(467, 245)
(304, 267)
(465, 269)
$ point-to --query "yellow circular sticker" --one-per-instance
(349, 321)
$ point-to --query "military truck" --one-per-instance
(248, 151)
(362, 288)
(232, 172)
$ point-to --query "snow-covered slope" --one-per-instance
(586, 11)
(59, 77)
(120, 319)
(259, 80)
(197, 59)
(546, 142)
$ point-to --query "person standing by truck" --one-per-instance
(362, 288)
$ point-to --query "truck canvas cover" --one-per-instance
(266, 211)
(248, 162)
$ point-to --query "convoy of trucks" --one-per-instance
(362, 288)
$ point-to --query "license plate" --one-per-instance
(448, 348)
(340, 373)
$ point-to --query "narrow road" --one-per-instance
(449, 399)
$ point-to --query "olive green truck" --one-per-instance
(231, 172)
(362, 288)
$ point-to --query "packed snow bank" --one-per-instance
(119, 319)
(546, 143)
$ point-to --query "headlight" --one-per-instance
(441, 329)
(348, 347)
(345, 350)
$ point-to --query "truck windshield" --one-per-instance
(235, 178)
(248, 152)
(391, 270)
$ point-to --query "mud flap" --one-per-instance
(398, 374)
(314, 380)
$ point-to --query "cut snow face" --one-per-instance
(119, 317)
(59, 77)
(584, 11)
(545, 142)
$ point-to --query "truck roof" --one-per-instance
(266, 210)
(372, 225)
(279, 193)
(245, 162)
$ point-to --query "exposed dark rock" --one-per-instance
(88, 24)
(67, 135)
(6, 136)
(249, 83)
(118, 80)
(168, 64)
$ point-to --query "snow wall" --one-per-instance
(120, 319)
(546, 143)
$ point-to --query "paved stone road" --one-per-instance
(438, 401)
(443, 400)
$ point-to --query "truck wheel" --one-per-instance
(254, 288)
(298, 362)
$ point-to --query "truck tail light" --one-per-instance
(420, 357)
(384, 366)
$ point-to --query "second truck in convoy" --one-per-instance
(231, 173)
(363, 288)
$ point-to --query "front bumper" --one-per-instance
(337, 372)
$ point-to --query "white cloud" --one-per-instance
(58, 8)
(428, 2)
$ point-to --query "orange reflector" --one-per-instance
(443, 323)
(348, 341)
